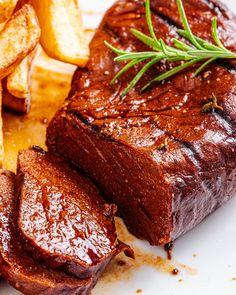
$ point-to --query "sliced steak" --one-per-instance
(166, 158)
(62, 217)
(22, 272)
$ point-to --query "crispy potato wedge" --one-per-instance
(18, 80)
(63, 36)
(19, 37)
(16, 93)
(6, 10)
(1, 129)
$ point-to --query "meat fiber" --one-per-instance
(62, 217)
(22, 272)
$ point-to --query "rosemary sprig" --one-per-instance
(199, 51)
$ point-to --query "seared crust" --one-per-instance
(161, 192)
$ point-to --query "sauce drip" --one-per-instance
(169, 248)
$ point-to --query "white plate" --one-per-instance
(208, 250)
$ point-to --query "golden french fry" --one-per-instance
(6, 10)
(19, 37)
(16, 87)
(63, 36)
(18, 80)
(1, 129)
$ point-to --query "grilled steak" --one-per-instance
(62, 217)
(16, 266)
(165, 157)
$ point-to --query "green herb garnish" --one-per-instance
(199, 51)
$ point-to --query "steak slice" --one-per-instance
(22, 272)
(165, 157)
(62, 217)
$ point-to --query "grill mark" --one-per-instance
(215, 5)
(186, 145)
(142, 113)
(110, 32)
(194, 155)
(230, 66)
(189, 152)
(219, 115)
(225, 119)
(168, 20)
(196, 161)
(79, 116)
(172, 137)
(106, 194)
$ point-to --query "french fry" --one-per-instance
(18, 80)
(19, 37)
(16, 93)
(6, 10)
(1, 129)
(63, 37)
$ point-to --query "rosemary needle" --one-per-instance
(198, 51)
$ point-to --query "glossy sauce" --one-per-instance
(49, 89)
(123, 269)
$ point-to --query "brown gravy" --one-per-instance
(49, 89)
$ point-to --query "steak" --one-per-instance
(166, 157)
(62, 217)
(22, 272)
